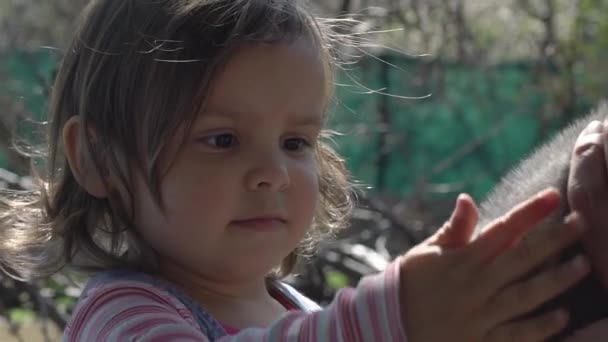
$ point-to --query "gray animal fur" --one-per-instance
(546, 166)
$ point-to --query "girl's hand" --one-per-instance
(597, 331)
(456, 290)
(588, 193)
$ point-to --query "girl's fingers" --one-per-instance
(592, 333)
(510, 228)
(534, 250)
(466, 217)
(458, 230)
(522, 297)
(534, 329)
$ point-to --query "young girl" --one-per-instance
(188, 171)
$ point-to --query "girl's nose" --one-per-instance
(270, 174)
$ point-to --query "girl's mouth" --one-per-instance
(262, 223)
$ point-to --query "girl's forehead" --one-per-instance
(280, 57)
(286, 76)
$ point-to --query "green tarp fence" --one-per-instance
(477, 123)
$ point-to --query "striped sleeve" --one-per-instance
(371, 312)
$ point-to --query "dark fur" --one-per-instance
(549, 166)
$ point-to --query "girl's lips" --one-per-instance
(261, 223)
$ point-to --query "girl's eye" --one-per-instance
(221, 141)
(296, 144)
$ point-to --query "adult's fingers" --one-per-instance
(588, 178)
(588, 192)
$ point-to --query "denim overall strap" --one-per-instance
(208, 325)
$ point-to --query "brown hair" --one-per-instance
(131, 64)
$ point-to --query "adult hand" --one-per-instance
(588, 193)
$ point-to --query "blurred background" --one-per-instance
(446, 96)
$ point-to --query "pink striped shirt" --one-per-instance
(134, 311)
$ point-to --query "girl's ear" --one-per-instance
(79, 159)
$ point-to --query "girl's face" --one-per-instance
(242, 192)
